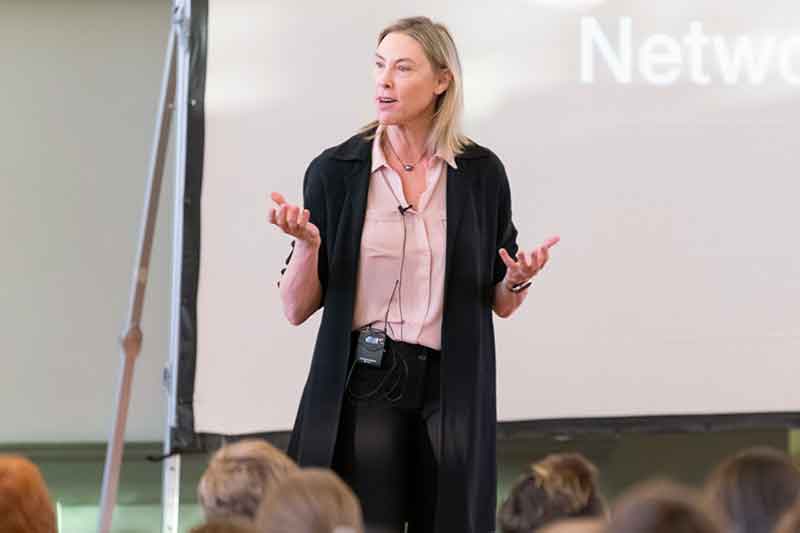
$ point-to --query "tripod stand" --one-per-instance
(174, 96)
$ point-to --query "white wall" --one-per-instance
(78, 95)
(677, 276)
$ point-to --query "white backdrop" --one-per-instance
(676, 287)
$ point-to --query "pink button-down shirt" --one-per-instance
(419, 295)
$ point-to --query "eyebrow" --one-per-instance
(399, 60)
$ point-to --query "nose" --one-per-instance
(385, 78)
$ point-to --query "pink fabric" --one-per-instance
(421, 292)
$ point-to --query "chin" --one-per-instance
(387, 121)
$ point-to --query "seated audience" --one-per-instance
(559, 486)
(239, 478)
(661, 507)
(25, 505)
(750, 491)
(312, 500)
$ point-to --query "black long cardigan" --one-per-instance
(478, 224)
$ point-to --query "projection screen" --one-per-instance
(658, 139)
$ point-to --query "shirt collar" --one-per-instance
(379, 158)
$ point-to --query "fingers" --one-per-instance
(292, 212)
(510, 263)
(277, 198)
(280, 217)
(291, 219)
(544, 255)
(551, 241)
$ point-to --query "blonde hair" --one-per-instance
(312, 500)
(562, 485)
(25, 505)
(440, 49)
(239, 477)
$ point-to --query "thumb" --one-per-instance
(277, 198)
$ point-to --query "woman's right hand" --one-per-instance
(293, 220)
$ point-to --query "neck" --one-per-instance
(409, 140)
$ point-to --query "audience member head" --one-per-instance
(312, 501)
(661, 507)
(239, 477)
(557, 487)
(751, 490)
(224, 527)
(576, 525)
(790, 521)
(25, 505)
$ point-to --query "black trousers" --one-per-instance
(389, 456)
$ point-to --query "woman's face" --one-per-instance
(404, 75)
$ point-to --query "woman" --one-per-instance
(407, 242)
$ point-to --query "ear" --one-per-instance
(443, 81)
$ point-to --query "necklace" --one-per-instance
(406, 166)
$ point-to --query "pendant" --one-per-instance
(408, 168)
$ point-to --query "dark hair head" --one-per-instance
(660, 507)
(559, 486)
(751, 490)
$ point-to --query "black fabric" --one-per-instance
(182, 435)
(478, 224)
(400, 380)
(386, 454)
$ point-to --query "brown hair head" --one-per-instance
(239, 477)
(559, 486)
(751, 490)
(224, 527)
(312, 500)
(660, 507)
(25, 505)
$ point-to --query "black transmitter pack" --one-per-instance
(371, 346)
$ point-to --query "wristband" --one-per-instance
(519, 287)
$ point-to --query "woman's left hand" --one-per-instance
(526, 265)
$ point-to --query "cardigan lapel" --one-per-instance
(457, 197)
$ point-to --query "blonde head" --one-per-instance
(312, 500)
(440, 51)
(239, 477)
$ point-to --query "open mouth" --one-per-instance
(386, 100)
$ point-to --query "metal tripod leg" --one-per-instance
(132, 337)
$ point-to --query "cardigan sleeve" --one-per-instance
(506, 231)
(314, 201)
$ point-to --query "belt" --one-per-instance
(405, 348)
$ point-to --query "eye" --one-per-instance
(403, 69)
(379, 64)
